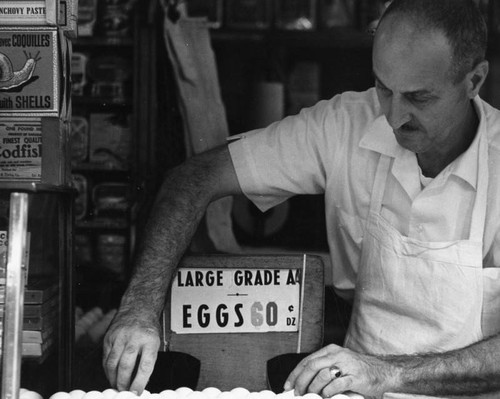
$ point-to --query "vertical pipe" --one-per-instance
(14, 296)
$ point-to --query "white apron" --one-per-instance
(414, 296)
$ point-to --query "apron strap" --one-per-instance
(381, 175)
(480, 203)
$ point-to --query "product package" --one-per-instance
(79, 183)
(87, 17)
(79, 141)
(62, 13)
(32, 150)
(110, 140)
(34, 61)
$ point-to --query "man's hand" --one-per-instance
(130, 349)
(367, 375)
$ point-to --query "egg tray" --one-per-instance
(182, 393)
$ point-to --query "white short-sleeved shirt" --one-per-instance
(334, 148)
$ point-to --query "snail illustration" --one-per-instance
(10, 78)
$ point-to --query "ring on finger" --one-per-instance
(335, 373)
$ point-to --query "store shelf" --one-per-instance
(103, 224)
(102, 102)
(34, 187)
(94, 42)
(99, 168)
(333, 38)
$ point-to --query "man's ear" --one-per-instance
(476, 78)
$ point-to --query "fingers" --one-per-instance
(315, 375)
(308, 367)
(129, 358)
(126, 367)
(111, 357)
(337, 385)
(297, 371)
(145, 368)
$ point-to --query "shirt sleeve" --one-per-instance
(288, 157)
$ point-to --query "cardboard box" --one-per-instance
(62, 13)
(21, 149)
(29, 12)
(32, 70)
(33, 150)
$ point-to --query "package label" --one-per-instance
(20, 149)
(29, 71)
(235, 301)
(23, 12)
(4, 248)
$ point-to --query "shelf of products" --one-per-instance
(35, 111)
(104, 149)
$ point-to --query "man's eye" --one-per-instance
(419, 100)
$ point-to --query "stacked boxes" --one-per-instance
(40, 312)
(35, 101)
(35, 117)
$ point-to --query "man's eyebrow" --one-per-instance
(411, 93)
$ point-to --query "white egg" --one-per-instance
(93, 395)
(30, 395)
(145, 394)
(126, 395)
(197, 395)
(169, 394)
(340, 396)
(253, 395)
(286, 395)
(311, 396)
(109, 393)
(60, 395)
(226, 395)
(267, 394)
(182, 392)
(211, 392)
(240, 393)
(155, 396)
(77, 394)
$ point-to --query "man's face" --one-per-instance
(416, 90)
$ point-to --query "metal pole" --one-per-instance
(14, 296)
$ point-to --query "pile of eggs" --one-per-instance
(182, 393)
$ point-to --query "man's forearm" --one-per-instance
(467, 371)
(177, 211)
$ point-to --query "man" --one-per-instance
(410, 172)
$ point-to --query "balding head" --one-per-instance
(460, 21)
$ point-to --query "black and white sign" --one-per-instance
(235, 301)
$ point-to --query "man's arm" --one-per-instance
(467, 371)
(132, 341)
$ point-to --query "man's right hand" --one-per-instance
(131, 346)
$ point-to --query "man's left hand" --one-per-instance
(364, 374)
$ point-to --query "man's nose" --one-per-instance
(397, 113)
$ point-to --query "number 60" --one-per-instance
(271, 314)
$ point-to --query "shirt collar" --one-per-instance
(379, 137)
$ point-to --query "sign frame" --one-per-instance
(224, 356)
